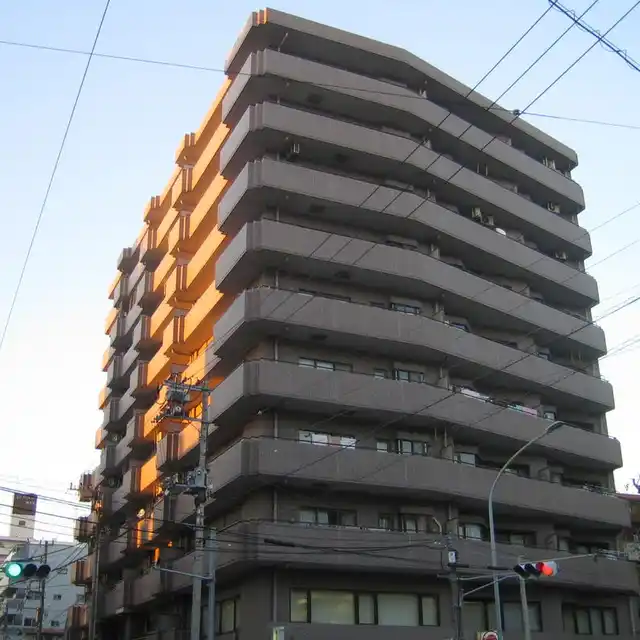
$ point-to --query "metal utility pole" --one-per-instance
(201, 471)
(43, 586)
(178, 395)
(456, 598)
(211, 596)
(95, 582)
(525, 609)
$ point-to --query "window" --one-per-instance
(404, 447)
(406, 522)
(472, 531)
(315, 437)
(54, 623)
(22, 523)
(465, 458)
(480, 614)
(30, 622)
(57, 596)
(348, 608)
(404, 375)
(380, 373)
(549, 415)
(227, 615)
(524, 539)
(326, 365)
(405, 308)
(62, 570)
(590, 621)
(327, 517)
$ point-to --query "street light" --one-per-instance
(557, 424)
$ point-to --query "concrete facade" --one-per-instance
(386, 306)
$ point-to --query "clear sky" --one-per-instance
(130, 120)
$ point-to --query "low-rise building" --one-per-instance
(20, 597)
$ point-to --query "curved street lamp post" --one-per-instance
(557, 424)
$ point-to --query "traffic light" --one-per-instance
(536, 569)
(26, 570)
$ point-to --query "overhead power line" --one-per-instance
(218, 70)
(52, 177)
(594, 32)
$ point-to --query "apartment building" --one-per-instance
(20, 598)
(382, 282)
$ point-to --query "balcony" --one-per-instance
(117, 335)
(372, 152)
(168, 452)
(111, 416)
(117, 599)
(83, 529)
(262, 384)
(129, 361)
(148, 298)
(127, 260)
(107, 466)
(263, 312)
(134, 438)
(111, 553)
(147, 587)
(338, 198)
(342, 91)
(251, 463)
(170, 511)
(82, 571)
(263, 245)
(139, 385)
(115, 374)
(150, 252)
(121, 291)
(86, 487)
(78, 616)
(412, 554)
(142, 338)
(131, 320)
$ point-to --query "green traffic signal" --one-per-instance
(13, 570)
(26, 570)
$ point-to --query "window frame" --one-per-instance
(488, 614)
(374, 595)
(573, 609)
(328, 511)
(219, 618)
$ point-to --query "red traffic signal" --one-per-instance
(536, 569)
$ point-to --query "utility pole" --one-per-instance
(177, 396)
(95, 582)
(211, 596)
(526, 623)
(201, 471)
(43, 586)
(456, 592)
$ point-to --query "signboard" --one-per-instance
(24, 504)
